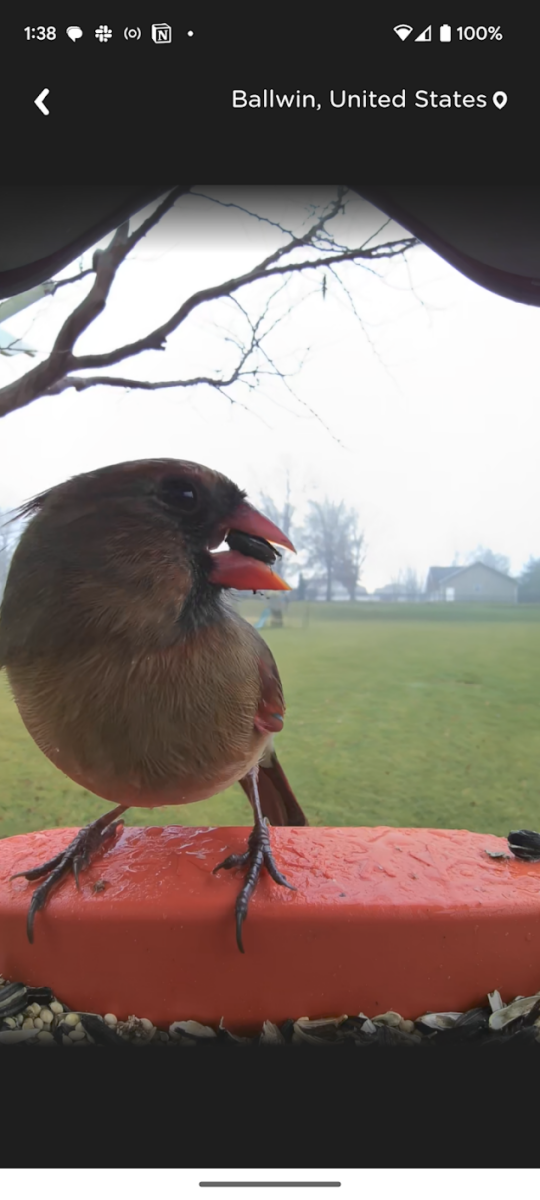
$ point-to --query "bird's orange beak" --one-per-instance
(235, 570)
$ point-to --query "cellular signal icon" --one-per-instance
(403, 31)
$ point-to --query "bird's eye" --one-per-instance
(180, 494)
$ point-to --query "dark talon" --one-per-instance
(37, 872)
(77, 855)
(258, 853)
(240, 918)
(234, 860)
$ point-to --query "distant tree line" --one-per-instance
(332, 551)
(529, 582)
(330, 542)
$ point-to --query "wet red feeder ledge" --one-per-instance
(403, 919)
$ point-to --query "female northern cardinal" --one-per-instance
(129, 668)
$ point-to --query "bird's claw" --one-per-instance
(93, 840)
(37, 872)
(259, 853)
(76, 856)
(234, 860)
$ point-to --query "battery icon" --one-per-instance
(446, 33)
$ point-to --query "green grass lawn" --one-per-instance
(414, 715)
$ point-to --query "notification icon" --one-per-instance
(74, 32)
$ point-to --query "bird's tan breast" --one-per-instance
(169, 727)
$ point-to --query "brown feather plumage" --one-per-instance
(131, 672)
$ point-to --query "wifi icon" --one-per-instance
(403, 31)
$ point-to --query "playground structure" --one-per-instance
(272, 615)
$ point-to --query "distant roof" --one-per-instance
(438, 574)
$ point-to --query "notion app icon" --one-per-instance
(162, 34)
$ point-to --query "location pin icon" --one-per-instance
(499, 99)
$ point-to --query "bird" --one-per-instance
(130, 667)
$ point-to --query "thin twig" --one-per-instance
(57, 373)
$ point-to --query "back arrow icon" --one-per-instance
(39, 102)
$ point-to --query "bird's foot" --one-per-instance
(257, 855)
(76, 856)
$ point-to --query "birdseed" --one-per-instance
(26, 1019)
(71, 1019)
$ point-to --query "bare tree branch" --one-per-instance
(60, 283)
(362, 325)
(61, 359)
(156, 339)
(240, 374)
(83, 382)
(56, 374)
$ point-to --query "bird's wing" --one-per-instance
(278, 801)
(271, 710)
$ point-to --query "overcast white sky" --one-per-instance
(435, 399)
